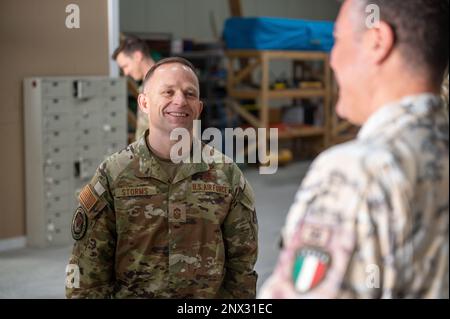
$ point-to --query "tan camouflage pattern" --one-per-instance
(380, 207)
(167, 241)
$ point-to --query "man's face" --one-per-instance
(350, 65)
(130, 65)
(171, 98)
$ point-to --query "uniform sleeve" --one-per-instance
(338, 234)
(240, 231)
(90, 272)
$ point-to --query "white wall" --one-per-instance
(191, 18)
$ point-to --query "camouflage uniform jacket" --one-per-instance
(141, 236)
(371, 218)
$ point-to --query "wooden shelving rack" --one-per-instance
(263, 95)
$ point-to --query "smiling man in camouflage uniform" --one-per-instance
(371, 218)
(149, 228)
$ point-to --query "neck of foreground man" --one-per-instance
(161, 144)
(395, 89)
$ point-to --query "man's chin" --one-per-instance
(181, 122)
(183, 125)
(340, 110)
(345, 113)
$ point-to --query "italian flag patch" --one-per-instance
(310, 268)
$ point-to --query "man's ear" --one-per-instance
(380, 42)
(137, 56)
(143, 103)
(200, 109)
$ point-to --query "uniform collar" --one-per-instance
(149, 166)
(387, 115)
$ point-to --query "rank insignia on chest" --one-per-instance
(177, 213)
(310, 268)
(79, 223)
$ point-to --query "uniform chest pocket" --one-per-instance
(139, 205)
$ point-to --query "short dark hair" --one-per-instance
(174, 59)
(421, 31)
(130, 45)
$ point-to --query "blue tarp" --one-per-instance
(266, 33)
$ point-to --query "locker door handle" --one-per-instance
(77, 169)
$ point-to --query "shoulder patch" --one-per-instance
(310, 268)
(99, 189)
(87, 197)
(79, 223)
(316, 235)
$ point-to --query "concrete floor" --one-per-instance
(40, 273)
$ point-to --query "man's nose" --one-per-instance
(179, 98)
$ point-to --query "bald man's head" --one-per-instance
(188, 65)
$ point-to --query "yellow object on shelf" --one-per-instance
(279, 86)
(283, 157)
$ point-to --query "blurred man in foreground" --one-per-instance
(371, 218)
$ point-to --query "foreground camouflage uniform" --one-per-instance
(371, 218)
(146, 237)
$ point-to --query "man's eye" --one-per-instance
(168, 92)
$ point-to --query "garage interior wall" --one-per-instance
(191, 19)
(34, 41)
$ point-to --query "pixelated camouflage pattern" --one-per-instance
(384, 200)
(135, 247)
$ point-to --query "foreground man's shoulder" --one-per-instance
(117, 163)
